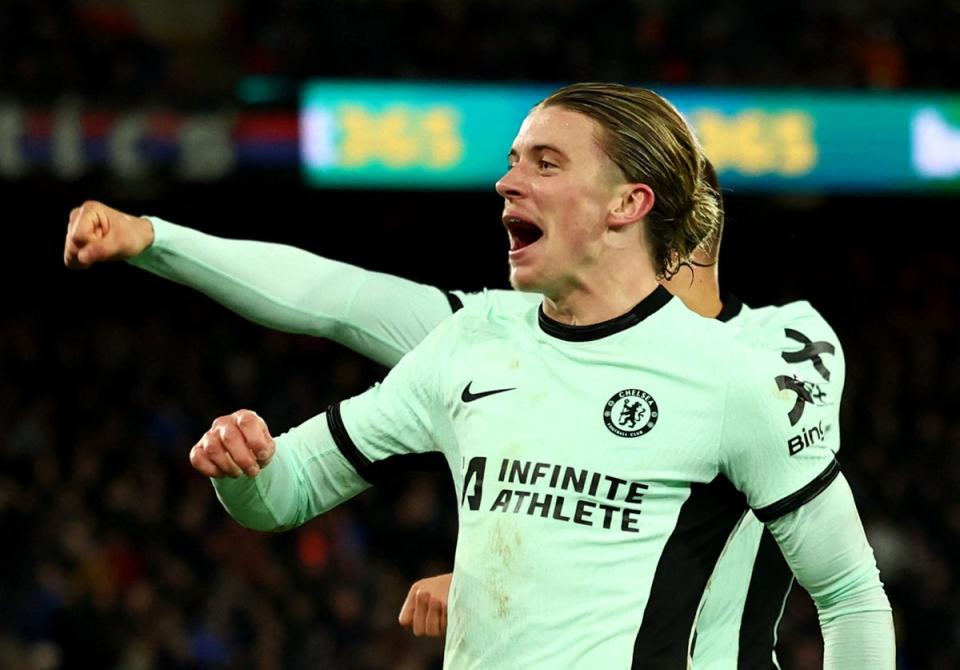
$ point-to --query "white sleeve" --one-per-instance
(825, 545)
(307, 477)
(336, 455)
(377, 315)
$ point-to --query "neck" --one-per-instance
(698, 288)
(604, 297)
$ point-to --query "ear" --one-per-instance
(633, 202)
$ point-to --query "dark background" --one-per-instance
(117, 554)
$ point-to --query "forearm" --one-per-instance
(307, 477)
(859, 640)
(285, 288)
(828, 551)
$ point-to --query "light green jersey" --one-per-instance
(383, 317)
(599, 469)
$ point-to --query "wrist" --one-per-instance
(146, 234)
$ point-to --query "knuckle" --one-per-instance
(244, 459)
(211, 445)
(226, 433)
(245, 416)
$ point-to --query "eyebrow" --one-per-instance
(539, 148)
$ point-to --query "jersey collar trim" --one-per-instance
(596, 331)
(732, 306)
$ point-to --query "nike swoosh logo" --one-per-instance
(467, 396)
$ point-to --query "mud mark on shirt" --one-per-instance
(505, 547)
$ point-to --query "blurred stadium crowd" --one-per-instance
(143, 51)
(117, 553)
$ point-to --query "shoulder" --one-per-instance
(800, 316)
(500, 298)
(686, 327)
(799, 333)
(486, 314)
(493, 306)
(719, 346)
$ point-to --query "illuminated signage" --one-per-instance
(72, 140)
(417, 135)
(377, 134)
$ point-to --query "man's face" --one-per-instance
(558, 193)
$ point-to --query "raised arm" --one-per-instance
(825, 545)
(377, 315)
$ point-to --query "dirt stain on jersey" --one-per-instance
(504, 544)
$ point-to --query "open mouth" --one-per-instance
(522, 232)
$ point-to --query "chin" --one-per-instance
(523, 280)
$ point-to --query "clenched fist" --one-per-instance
(236, 445)
(424, 612)
(97, 233)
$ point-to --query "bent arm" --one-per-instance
(307, 477)
(377, 315)
(827, 549)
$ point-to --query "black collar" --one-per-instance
(732, 306)
(595, 331)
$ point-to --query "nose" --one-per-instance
(511, 185)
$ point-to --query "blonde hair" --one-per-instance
(651, 143)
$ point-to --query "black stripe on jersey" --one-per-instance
(346, 445)
(801, 497)
(705, 522)
(456, 304)
(595, 331)
(769, 587)
(732, 306)
(380, 472)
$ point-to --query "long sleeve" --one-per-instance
(307, 477)
(377, 315)
(827, 549)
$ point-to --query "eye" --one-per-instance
(546, 165)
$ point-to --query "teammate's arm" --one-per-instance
(377, 315)
(424, 611)
(827, 549)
